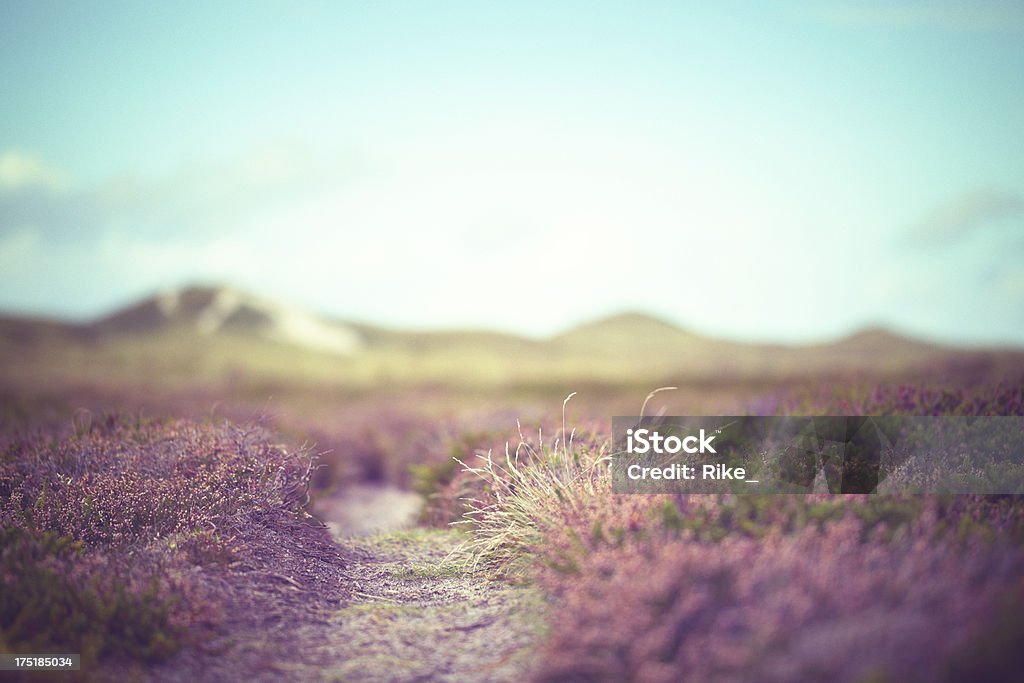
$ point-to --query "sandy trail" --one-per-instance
(415, 614)
(372, 604)
(367, 509)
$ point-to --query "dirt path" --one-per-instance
(416, 617)
(415, 614)
(385, 607)
(367, 509)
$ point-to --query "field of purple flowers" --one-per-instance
(149, 543)
(767, 588)
(117, 535)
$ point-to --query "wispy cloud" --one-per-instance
(19, 170)
(969, 214)
(959, 269)
(82, 247)
(202, 198)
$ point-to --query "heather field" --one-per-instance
(756, 588)
(512, 342)
(208, 535)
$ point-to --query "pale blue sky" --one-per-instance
(762, 170)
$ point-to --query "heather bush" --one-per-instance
(119, 482)
(819, 603)
(773, 588)
(56, 596)
(101, 529)
(947, 456)
(407, 450)
(1004, 398)
(787, 588)
(439, 482)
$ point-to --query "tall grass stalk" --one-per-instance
(534, 486)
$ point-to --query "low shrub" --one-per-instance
(816, 604)
(738, 588)
(57, 598)
(1003, 398)
(101, 530)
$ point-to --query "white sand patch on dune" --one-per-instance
(283, 324)
(302, 329)
(168, 302)
(213, 316)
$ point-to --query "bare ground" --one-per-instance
(303, 606)
(367, 509)
(416, 616)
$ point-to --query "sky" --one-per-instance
(781, 170)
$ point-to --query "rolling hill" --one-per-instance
(213, 335)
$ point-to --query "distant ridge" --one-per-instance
(213, 308)
(227, 332)
(882, 339)
(627, 319)
(632, 323)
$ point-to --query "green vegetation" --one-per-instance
(49, 603)
(103, 530)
